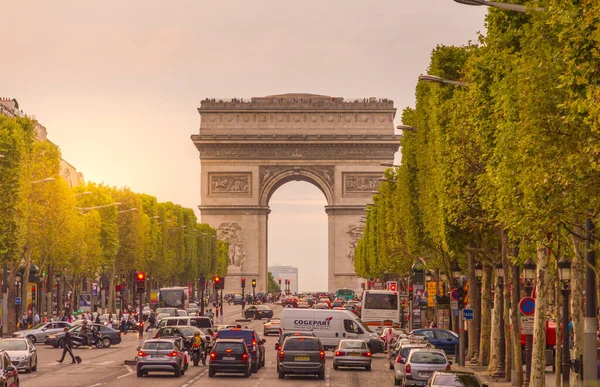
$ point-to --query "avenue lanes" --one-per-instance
(104, 367)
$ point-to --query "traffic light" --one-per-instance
(410, 291)
(243, 282)
(33, 293)
(253, 283)
(461, 297)
(393, 286)
(279, 282)
(140, 278)
(217, 282)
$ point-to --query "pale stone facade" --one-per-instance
(250, 148)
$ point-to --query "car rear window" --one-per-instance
(301, 344)
(424, 357)
(460, 380)
(235, 348)
(200, 322)
(161, 346)
(235, 334)
(353, 345)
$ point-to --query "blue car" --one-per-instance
(440, 338)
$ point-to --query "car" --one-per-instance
(217, 328)
(185, 332)
(181, 312)
(258, 312)
(39, 332)
(165, 312)
(271, 326)
(301, 355)
(160, 355)
(230, 356)
(22, 353)
(322, 305)
(455, 379)
(352, 353)
(253, 342)
(237, 299)
(192, 311)
(400, 353)
(9, 375)
(286, 334)
(193, 305)
(110, 336)
(201, 322)
(440, 338)
(420, 364)
(303, 305)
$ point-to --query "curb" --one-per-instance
(130, 362)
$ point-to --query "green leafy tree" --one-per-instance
(273, 286)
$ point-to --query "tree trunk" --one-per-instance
(486, 316)
(49, 292)
(112, 305)
(508, 281)
(577, 283)
(473, 325)
(495, 337)
(514, 319)
(538, 358)
(11, 308)
(25, 280)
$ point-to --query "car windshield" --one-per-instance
(364, 326)
(13, 345)
(262, 307)
(169, 311)
(426, 357)
(158, 345)
(406, 350)
(457, 380)
(353, 345)
(188, 331)
(235, 348)
(301, 344)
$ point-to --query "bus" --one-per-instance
(345, 294)
(380, 309)
(174, 297)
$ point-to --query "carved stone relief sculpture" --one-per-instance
(232, 233)
(355, 231)
(230, 183)
(360, 183)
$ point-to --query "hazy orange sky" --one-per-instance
(117, 83)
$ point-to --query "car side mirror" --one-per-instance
(449, 362)
(10, 368)
(138, 348)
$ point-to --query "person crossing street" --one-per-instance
(68, 347)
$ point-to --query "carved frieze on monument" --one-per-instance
(283, 152)
(230, 183)
(267, 173)
(355, 231)
(360, 182)
(232, 233)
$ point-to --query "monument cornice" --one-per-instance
(294, 138)
(234, 210)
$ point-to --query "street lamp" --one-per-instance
(388, 180)
(501, 368)
(97, 207)
(564, 274)
(428, 276)
(129, 210)
(48, 179)
(495, 4)
(433, 78)
(406, 128)
(529, 267)
(389, 165)
(83, 194)
(477, 311)
(456, 271)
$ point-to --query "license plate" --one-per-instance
(302, 358)
(157, 356)
(425, 374)
(354, 354)
(228, 357)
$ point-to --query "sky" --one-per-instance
(117, 83)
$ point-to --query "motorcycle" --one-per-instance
(94, 339)
(195, 354)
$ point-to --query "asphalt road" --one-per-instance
(104, 367)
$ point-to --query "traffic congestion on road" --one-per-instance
(297, 346)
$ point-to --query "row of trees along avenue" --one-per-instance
(502, 168)
(90, 231)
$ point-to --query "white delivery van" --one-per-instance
(330, 326)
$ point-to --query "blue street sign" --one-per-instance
(17, 300)
(468, 314)
(455, 312)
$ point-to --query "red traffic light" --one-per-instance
(140, 276)
(243, 281)
(217, 279)
(410, 288)
(393, 287)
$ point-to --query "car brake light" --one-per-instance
(407, 369)
(213, 356)
(142, 354)
(244, 357)
(322, 356)
(367, 354)
(281, 355)
(398, 359)
(338, 353)
(172, 354)
(253, 342)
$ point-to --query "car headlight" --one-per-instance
(52, 336)
(22, 357)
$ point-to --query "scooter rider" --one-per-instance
(200, 343)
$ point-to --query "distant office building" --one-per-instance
(285, 272)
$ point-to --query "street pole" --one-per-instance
(461, 338)
(528, 343)
(501, 368)
(566, 356)
(591, 304)
(221, 307)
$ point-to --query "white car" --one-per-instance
(22, 353)
(420, 365)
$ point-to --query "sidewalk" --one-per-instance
(491, 381)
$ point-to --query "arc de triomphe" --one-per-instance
(250, 148)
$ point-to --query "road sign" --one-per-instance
(454, 294)
(453, 304)
(95, 289)
(455, 312)
(17, 300)
(527, 325)
(527, 306)
(468, 314)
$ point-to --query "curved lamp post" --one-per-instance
(564, 274)
(495, 4)
(501, 368)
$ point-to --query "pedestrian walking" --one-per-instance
(68, 347)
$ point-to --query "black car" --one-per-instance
(253, 342)
(301, 355)
(258, 312)
(110, 336)
(231, 356)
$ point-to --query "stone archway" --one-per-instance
(248, 149)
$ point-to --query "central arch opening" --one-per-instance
(297, 235)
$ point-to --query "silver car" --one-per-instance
(352, 353)
(161, 355)
(420, 364)
(39, 332)
(402, 353)
(22, 353)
